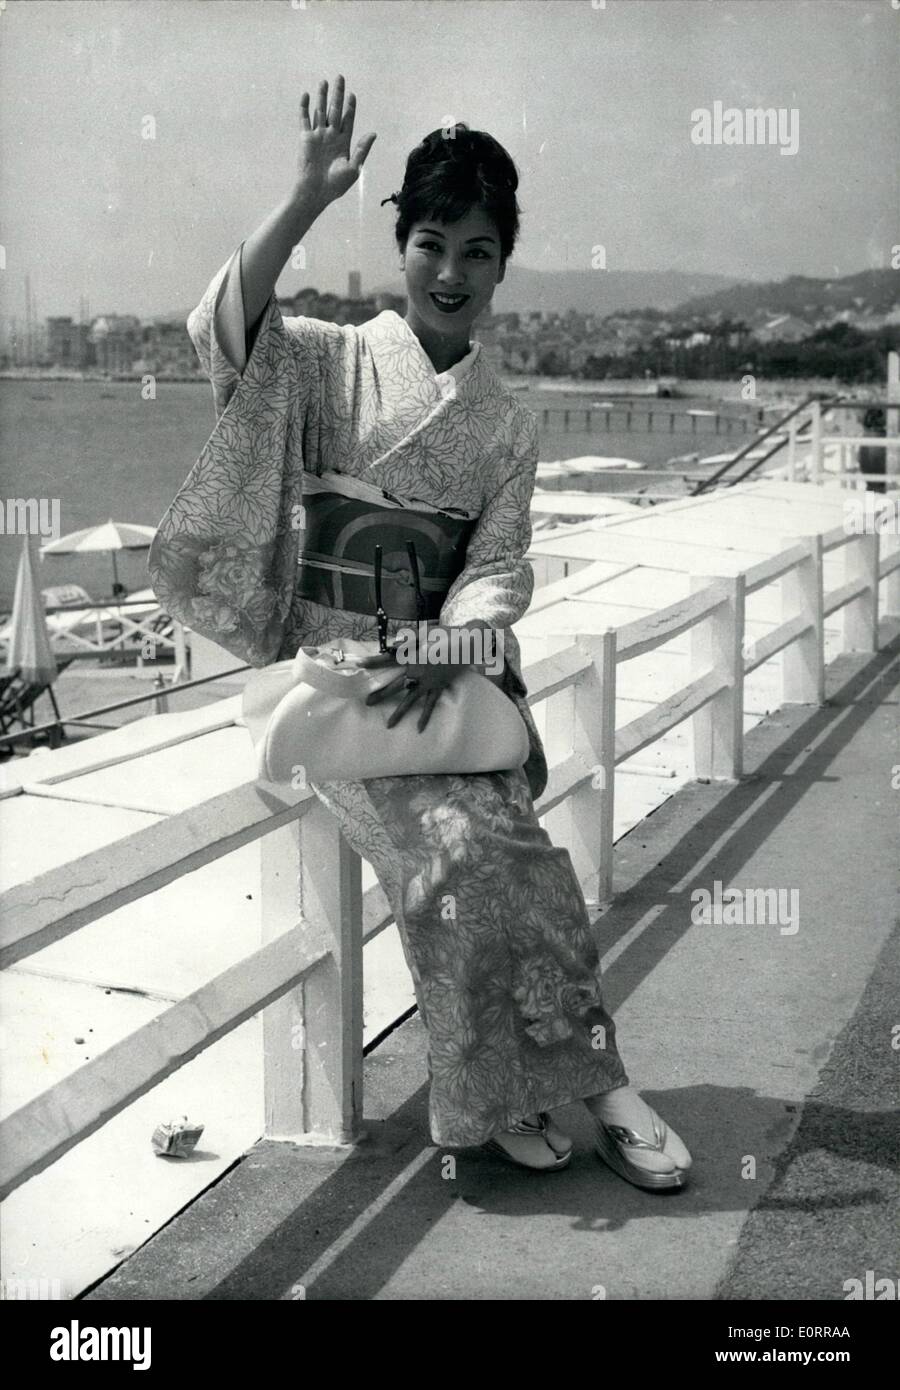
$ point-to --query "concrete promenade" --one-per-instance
(768, 1046)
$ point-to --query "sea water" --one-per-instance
(103, 451)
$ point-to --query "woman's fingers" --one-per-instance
(321, 117)
(412, 696)
(349, 116)
(304, 112)
(431, 699)
(390, 688)
(361, 153)
(336, 107)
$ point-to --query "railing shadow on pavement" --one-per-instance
(829, 727)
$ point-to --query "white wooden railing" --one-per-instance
(113, 629)
(307, 975)
(812, 467)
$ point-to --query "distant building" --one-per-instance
(117, 342)
(67, 343)
(333, 308)
(783, 329)
(167, 349)
(354, 285)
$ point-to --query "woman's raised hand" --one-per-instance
(326, 166)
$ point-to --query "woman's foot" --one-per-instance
(534, 1142)
(635, 1142)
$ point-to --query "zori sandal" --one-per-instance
(615, 1143)
(539, 1146)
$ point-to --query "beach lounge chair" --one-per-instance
(18, 698)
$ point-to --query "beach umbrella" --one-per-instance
(28, 650)
(108, 535)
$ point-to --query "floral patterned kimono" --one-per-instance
(508, 987)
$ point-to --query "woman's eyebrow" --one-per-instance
(433, 231)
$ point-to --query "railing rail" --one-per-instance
(776, 428)
(816, 408)
(155, 629)
(28, 731)
(306, 977)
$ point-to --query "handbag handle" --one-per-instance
(345, 679)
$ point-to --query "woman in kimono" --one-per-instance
(401, 424)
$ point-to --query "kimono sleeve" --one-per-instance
(497, 582)
(223, 560)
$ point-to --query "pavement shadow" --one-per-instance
(742, 817)
(396, 1190)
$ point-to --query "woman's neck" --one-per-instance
(443, 352)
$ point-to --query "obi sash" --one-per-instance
(336, 558)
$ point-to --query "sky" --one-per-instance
(594, 101)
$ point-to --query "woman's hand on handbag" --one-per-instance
(424, 680)
(417, 681)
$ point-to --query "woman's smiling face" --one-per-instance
(452, 269)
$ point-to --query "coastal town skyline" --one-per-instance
(838, 325)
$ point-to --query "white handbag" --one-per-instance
(309, 717)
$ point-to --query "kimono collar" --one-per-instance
(394, 321)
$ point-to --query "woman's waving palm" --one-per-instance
(326, 166)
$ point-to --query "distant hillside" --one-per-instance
(593, 291)
(874, 291)
(681, 295)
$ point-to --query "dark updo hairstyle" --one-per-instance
(453, 171)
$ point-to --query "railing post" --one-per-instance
(595, 738)
(803, 661)
(311, 882)
(892, 417)
(717, 643)
(816, 462)
(860, 622)
(891, 581)
(182, 653)
(559, 743)
(792, 452)
(161, 703)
